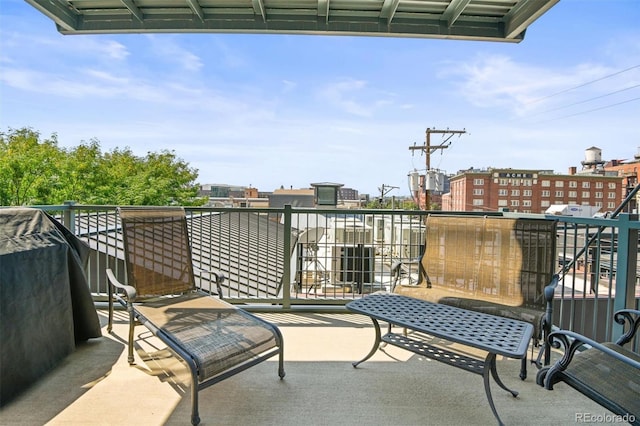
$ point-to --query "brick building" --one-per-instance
(531, 191)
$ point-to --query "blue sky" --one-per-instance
(272, 110)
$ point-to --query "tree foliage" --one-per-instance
(37, 171)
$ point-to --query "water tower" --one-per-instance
(592, 159)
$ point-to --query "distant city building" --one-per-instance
(531, 191)
(629, 171)
(293, 197)
(348, 194)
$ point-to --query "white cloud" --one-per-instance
(167, 49)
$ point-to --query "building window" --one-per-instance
(544, 203)
(545, 183)
(478, 202)
(559, 183)
(599, 185)
(586, 194)
(612, 185)
(502, 203)
(573, 194)
(573, 184)
(504, 182)
(586, 184)
(526, 203)
(598, 204)
(515, 203)
(546, 193)
(478, 191)
(478, 181)
(612, 195)
(503, 192)
(598, 194)
(611, 205)
(527, 182)
(559, 194)
(515, 192)
(527, 193)
(326, 196)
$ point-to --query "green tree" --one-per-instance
(39, 172)
(28, 167)
(81, 173)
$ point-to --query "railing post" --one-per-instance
(69, 216)
(286, 273)
(625, 268)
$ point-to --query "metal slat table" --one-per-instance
(490, 333)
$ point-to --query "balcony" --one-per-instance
(277, 264)
(95, 385)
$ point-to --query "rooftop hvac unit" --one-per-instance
(353, 236)
(353, 264)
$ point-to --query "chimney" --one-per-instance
(573, 170)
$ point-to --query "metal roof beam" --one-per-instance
(388, 10)
(133, 9)
(433, 28)
(323, 10)
(195, 6)
(258, 9)
(524, 14)
(65, 18)
(453, 11)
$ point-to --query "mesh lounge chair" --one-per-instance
(213, 337)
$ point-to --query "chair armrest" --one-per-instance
(550, 289)
(572, 341)
(129, 290)
(630, 316)
(218, 278)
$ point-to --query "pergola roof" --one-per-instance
(497, 20)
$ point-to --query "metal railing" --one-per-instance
(288, 258)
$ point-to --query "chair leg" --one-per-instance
(132, 326)
(523, 368)
(110, 322)
(195, 415)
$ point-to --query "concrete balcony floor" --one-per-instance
(95, 385)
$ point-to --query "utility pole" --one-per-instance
(428, 149)
(384, 190)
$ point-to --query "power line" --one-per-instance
(583, 84)
(586, 100)
(591, 110)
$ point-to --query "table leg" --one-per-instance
(490, 369)
(376, 344)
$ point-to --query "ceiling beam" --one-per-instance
(323, 10)
(453, 11)
(65, 18)
(197, 9)
(523, 15)
(135, 10)
(388, 10)
(258, 9)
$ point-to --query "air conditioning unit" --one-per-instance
(353, 264)
(353, 236)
